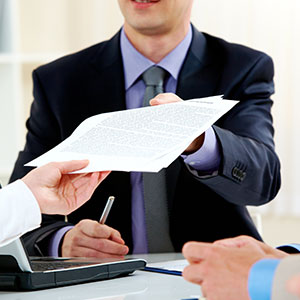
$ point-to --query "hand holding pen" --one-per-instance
(94, 239)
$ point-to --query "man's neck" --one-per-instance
(156, 46)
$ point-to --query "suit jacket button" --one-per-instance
(235, 171)
(243, 175)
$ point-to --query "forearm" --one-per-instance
(249, 173)
(206, 160)
(20, 212)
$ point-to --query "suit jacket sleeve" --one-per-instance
(250, 170)
(287, 268)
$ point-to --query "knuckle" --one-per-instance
(105, 231)
(76, 239)
(95, 228)
(81, 224)
(213, 252)
(115, 233)
(245, 238)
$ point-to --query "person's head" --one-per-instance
(156, 17)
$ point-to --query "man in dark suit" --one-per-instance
(233, 164)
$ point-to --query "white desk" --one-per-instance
(140, 285)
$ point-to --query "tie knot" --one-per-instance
(154, 76)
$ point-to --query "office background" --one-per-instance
(33, 32)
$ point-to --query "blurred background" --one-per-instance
(34, 32)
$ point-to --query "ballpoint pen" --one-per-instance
(106, 210)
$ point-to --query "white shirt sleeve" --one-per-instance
(19, 212)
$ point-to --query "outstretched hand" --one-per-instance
(171, 98)
(59, 192)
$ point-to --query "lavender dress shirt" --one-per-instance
(206, 160)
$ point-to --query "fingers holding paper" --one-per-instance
(164, 99)
(172, 98)
(91, 239)
(59, 192)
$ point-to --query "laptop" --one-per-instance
(19, 272)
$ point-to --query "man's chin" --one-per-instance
(149, 26)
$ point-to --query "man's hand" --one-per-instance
(58, 192)
(245, 241)
(171, 98)
(222, 270)
(91, 239)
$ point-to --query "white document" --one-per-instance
(144, 139)
(171, 265)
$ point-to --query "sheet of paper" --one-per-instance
(144, 139)
(172, 265)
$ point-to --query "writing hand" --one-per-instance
(91, 239)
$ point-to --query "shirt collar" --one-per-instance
(135, 63)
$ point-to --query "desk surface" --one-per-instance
(140, 285)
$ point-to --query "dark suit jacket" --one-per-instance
(90, 82)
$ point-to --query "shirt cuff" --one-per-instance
(261, 278)
(55, 240)
(290, 248)
(207, 159)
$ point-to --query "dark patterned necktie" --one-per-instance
(154, 81)
(155, 193)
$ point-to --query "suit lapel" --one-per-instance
(199, 75)
(109, 66)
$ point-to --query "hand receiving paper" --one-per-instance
(58, 192)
